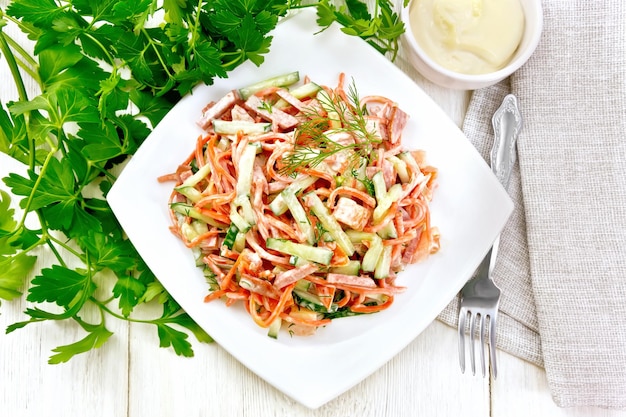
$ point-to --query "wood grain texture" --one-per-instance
(132, 377)
(416, 382)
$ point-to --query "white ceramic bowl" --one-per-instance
(444, 77)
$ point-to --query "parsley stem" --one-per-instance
(104, 307)
(156, 51)
(40, 177)
(103, 171)
(26, 62)
(86, 205)
(13, 67)
(196, 24)
(57, 254)
(232, 62)
(21, 91)
(54, 239)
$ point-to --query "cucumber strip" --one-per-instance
(334, 120)
(197, 256)
(224, 144)
(227, 127)
(363, 182)
(278, 205)
(189, 211)
(394, 194)
(388, 231)
(231, 235)
(188, 231)
(244, 174)
(326, 237)
(243, 203)
(370, 259)
(352, 268)
(407, 156)
(190, 192)
(302, 285)
(240, 242)
(299, 215)
(378, 298)
(284, 80)
(297, 262)
(330, 223)
(245, 219)
(357, 236)
(384, 198)
(380, 189)
(400, 166)
(304, 91)
(237, 219)
(384, 263)
(274, 328)
(311, 305)
(197, 177)
(301, 250)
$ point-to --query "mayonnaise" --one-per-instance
(468, 36)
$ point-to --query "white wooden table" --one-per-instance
(130, 376)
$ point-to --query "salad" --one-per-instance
(300, 202)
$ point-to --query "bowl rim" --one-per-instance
(530, 7)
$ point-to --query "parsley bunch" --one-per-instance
(107, 72)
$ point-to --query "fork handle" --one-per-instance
(486, 266)
(493, 255)
(507, 123)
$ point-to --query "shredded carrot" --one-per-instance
(168, 177)
(360, 308)
(265, 322)
(352, 192)
(228, 277)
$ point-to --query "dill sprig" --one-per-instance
(313, 144)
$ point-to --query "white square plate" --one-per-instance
(470, 208)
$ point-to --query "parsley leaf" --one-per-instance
(169, 336)
(14, 270)
(129, 291)
(60, 285)
(7, 223)
(106, 252)
(185, 321)
(96, 337)
(34, 11)
(57, 186)
(56, 58)
(381, 29)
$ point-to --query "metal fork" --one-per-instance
(480, 297)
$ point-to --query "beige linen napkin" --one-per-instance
(562, 261)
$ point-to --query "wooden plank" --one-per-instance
(93, 384)
(423, 379)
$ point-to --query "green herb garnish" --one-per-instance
(266, 105)
(313, 143)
